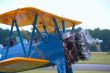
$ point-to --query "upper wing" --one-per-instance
(20, 64)
(25, 16)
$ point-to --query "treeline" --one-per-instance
(102, 35)
(97, 33)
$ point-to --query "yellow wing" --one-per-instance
(25, 16)
(20, 64)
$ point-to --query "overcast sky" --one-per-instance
(92, 13)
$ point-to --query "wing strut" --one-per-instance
(45, 29)
(19, 34)
(72, 30)
(57, 29)
(63, 25)
(32, 35)
(8, 43)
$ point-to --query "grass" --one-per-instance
(53, 71)
(39, 71)
(98, 58)
(91, 72)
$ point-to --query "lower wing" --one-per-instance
(20, 64)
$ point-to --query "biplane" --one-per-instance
(44, 50)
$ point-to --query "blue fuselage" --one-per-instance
(51, 49)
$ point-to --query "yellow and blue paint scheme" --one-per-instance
(24, 56)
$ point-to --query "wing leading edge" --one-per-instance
(25, 16)
(20, 64)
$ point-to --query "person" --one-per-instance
(35, 41)
(11, 42)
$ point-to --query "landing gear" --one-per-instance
(62, 67)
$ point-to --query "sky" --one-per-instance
(92, 13)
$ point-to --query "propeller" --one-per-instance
(93, 42)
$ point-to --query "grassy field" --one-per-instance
(91, 72)
(53, 71)
(96, 58)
